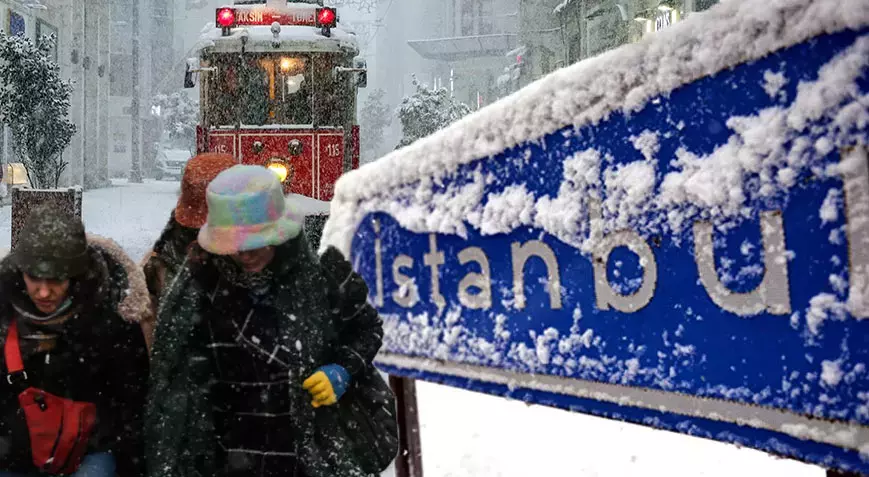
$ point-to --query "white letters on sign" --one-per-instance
(855, 172)
(604, 292)
(378, 262)
(407, 294)
(520, 254)
(434, 259)
(772, 295)
(333, 150)
(250, 16)
(482, 281)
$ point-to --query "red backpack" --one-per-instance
(59, 428)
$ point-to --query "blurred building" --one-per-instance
(555, 33)
(156, 59)
(82, 51)
(460, 45)
(471, 46)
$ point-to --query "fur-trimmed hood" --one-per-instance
(126, 288)
(134, 304)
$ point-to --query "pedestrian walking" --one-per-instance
(263, 357)
(73, 354)
(166, 256)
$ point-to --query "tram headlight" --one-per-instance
(279, 167)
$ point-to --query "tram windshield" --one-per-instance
(262, 89)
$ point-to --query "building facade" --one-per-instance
(594, 26)
(555, 33)
(157, 56)
(82, 51)
(471, 47)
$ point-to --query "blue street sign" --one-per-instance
(699, 264)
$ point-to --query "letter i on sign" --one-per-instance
(378, 263)
(855, 170)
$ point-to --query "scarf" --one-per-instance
(258, 283)
(39, 332)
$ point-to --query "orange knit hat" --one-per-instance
(192, 209)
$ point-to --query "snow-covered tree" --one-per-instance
(427, 111)
(34, 102)
(374, 118)
(180, 115)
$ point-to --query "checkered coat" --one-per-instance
(325, 306)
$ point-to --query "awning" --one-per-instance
(464, 47)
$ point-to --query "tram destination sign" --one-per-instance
(698, 263)
(265, 15)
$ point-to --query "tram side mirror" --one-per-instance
(361, 67)
(189, 81)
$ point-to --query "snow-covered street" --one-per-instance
(470, 434)
(131, 214)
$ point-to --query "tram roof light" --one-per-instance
(327, 17)
(225, 17)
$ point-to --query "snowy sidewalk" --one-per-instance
(131, 214)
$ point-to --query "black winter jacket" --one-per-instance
(324, 318)
(99, 358)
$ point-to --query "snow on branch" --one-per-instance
(34, 102)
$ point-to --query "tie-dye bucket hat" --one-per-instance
(247, 210)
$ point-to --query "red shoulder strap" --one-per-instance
(12, 351)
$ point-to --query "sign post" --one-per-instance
(675, 235)
(409, 460)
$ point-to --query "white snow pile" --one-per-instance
(771, 148)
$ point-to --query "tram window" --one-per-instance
(260, 90)
(293, 89)
(223, 90)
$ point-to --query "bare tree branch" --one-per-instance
(365, 6)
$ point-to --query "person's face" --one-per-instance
(47, 294)
(254, 261)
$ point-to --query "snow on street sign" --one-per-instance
(675, 233)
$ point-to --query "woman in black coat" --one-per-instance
(74, 301)
(262, 363)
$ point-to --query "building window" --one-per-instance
(477, 17)
(44, 30)
(121, 75)
(160, 10)
(467, 18)
(486, 16)
(16, 23)
(700, 5)
(121, 39)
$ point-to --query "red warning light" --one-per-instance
(225, 17)
(326, 17)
